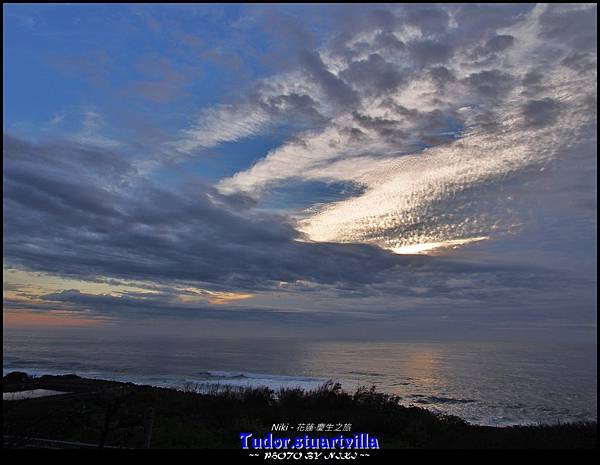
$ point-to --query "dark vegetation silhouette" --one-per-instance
(113, 414)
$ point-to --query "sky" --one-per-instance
(359, 170)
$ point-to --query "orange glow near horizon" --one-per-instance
(223, 298)
(26, 318)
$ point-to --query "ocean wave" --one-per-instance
(423, 399)
(208, 378)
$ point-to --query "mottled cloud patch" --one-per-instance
(441, 125)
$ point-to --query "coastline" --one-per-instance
(187, 418)
(487, 384)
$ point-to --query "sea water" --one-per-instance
(491, 383)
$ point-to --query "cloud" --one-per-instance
(374, 75)
(539, 113)
(499, 43)
(572, 25)
(444, 123)
(428, 52)
(432, 155)
(87, 226)
(429, 20)
(335, 88)
(490, 84)
(281, 100)
(196, 249)
(223, 124)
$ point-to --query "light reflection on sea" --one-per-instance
(486, 383)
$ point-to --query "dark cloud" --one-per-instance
(354, 135)
(499, 43)
(490, 84)
(533, 83)
(493, 46)
(442, 76)
(356, 18)
(582, 62)
(424, 127)
(292, 107)
(79, 211)
(86, 214)
(576, 26)
(389, 42)
(429, 52)
(375, 75)
(73, 219)
(390, 130)
(532, 78)
(475, 22)
(540, 113)
(335, 88)
(429, 20)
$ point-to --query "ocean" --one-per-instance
(488, 383)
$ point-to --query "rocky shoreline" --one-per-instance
(89, 413)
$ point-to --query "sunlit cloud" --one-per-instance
(223, 298)
(203, 296)
(222, 124)
(431, 246)
(357, 167)
(431, 149)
